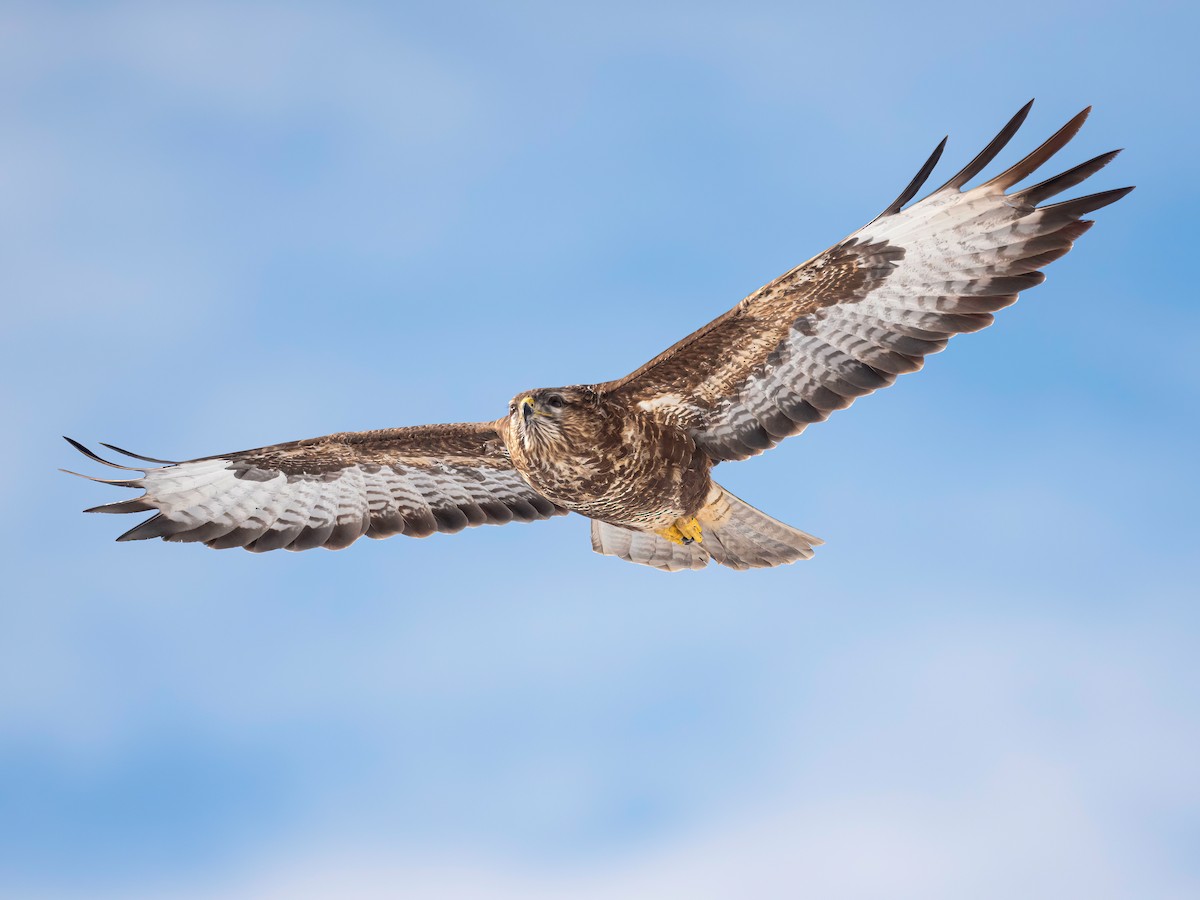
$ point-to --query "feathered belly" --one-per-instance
(619, 468)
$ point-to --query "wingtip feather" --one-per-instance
(988, 153)
(165, 462)
(123, 506)
(93, 456)
(1081, 206)
(1030, 163)
(147, 530)
(918, 180)
(1043, 190)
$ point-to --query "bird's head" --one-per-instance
(547, 416)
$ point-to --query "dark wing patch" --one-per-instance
(330, 491)
(852, 319)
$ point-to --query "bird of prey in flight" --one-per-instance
(636, 455)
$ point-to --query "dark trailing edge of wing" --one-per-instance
(446, 513)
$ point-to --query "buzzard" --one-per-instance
(636, 455)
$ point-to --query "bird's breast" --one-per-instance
(629, 474)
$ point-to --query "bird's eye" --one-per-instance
(554, 401)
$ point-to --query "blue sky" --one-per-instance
(227, 224)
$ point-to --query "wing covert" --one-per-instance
(872, 307)
(329, 491)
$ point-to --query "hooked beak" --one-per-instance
(527, 411)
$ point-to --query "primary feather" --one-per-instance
(870, 308)
(330, 491)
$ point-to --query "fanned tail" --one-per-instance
(741, 537)
(733, 533)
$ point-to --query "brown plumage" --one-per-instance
(636, 455)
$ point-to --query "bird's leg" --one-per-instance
(671, 534)
(684, 531)
(690, 529)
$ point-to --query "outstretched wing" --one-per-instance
(329, 491)
(848, 321)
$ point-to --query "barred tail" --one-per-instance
(734, 533)
(741, 537)
(646, 549)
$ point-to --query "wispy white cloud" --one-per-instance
(930, 763)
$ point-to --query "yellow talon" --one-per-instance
(671, 534)
(684, 531)
(690, 529)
